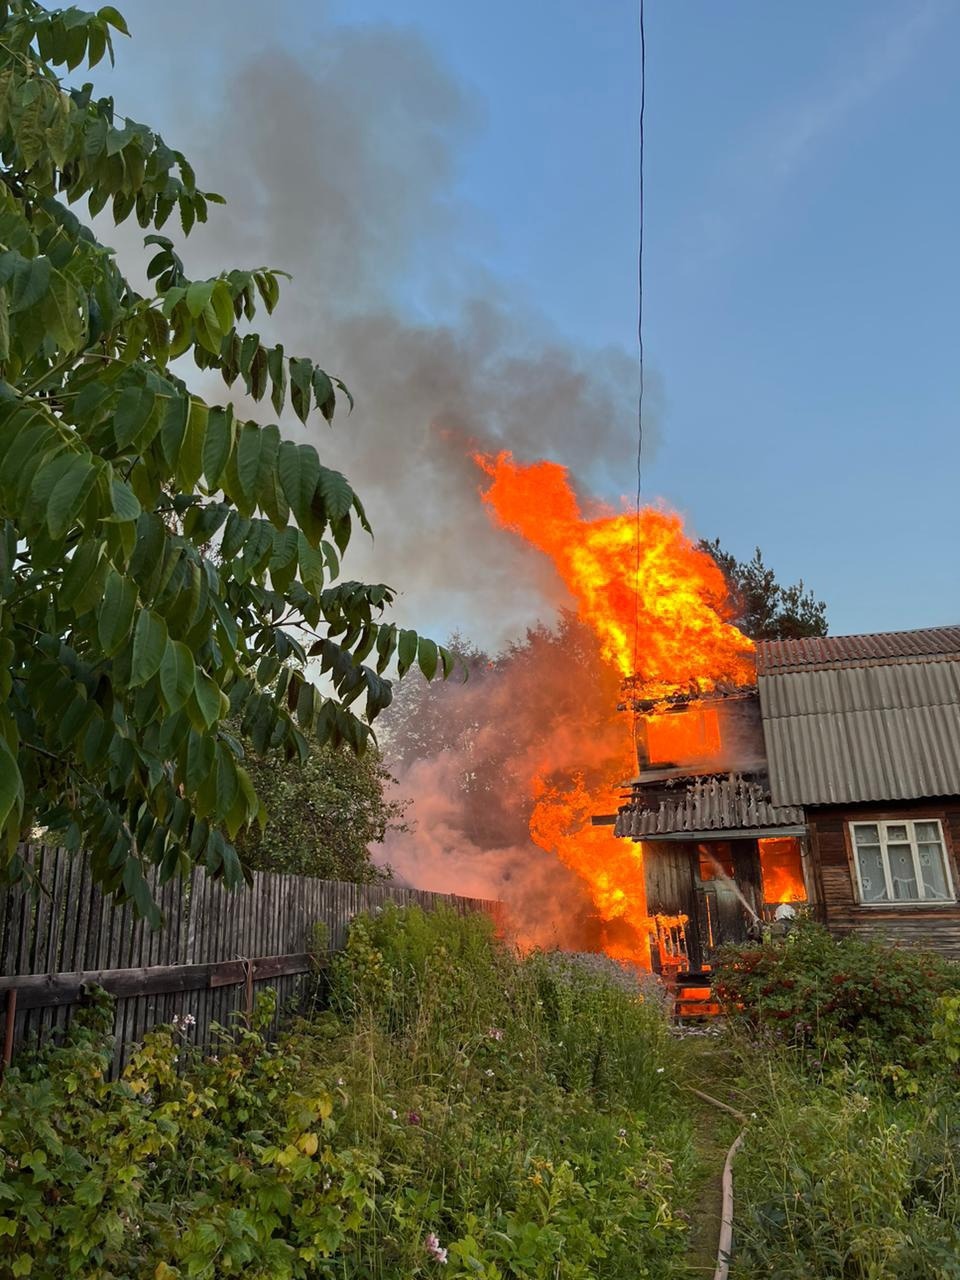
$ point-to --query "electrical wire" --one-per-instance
(636, 581)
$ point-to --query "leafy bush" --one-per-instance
(837, 1179)
(231, 1168)
(852, 998)
(455, 1105)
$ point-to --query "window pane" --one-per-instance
(902, 873)
(866, 833)
(927, 830)
(896, 831)
(931, 868)
(871, 873)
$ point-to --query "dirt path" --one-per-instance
(707, 1067)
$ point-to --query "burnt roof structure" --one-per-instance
(845, 720)
(860, 718)
(709, 805)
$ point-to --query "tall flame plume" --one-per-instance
(657, 604)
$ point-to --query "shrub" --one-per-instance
(229, 1169)
(836, 1179)
(510, 1116)
(852, 998)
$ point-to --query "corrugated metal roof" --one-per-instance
(710, 804)
(887, 728)
(814, 652)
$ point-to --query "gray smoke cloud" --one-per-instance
(339, 166)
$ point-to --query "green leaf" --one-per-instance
(61, 313)
(79, 572)
(173, 429)
(190, 460)
(11, 784)
(249, 445)
(115, 618)
(217, 444)
(324, 392)
(4, 325)
(449, 661)
(299, 469)
(69, 494)
(31, 280)
(406, 651)
(222, 306)
(149, 647)
(177, 675)
(427, 657)
(336, 492)
(301, 382)
(277, 367)
(116, 20)
(198, 296)
(133, 409)
(208, 699)
(124, 502)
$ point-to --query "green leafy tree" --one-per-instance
(124, 642)
(322, 816)
(765, 610)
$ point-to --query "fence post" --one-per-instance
(8, 1029)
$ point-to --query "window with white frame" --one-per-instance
(901, 862)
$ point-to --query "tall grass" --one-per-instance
(521, 1107)
(841, 1180)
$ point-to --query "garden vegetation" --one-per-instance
(844, 1053)
(451, 1110)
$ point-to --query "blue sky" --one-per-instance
(802, 270)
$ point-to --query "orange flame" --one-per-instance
(666, 603)
(660, 609)
(781, 867)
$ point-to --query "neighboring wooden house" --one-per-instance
(835, 782)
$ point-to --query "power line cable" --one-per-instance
(636, 580)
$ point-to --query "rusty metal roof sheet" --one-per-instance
(817, 652)
(882, 727)
(730, 803)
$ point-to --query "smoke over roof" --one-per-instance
(339, 162)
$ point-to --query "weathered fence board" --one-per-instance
(64, 933)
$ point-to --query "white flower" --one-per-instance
(432, 1246)
(621, 1133)
(660, 1070)
(488, 1072)
(391, 1113)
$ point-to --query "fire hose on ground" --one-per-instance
(725, 1239)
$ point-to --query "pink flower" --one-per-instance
(495, 1033)
(432, 1246)
(413, 1117)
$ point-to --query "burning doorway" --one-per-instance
(723, 890)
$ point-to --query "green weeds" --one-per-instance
(453, 1111)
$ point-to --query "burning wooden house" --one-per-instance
(833, 782)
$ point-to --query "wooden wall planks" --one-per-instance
(65, 925)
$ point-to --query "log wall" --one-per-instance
(935, 927)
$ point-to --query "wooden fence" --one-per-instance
(214, 948)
